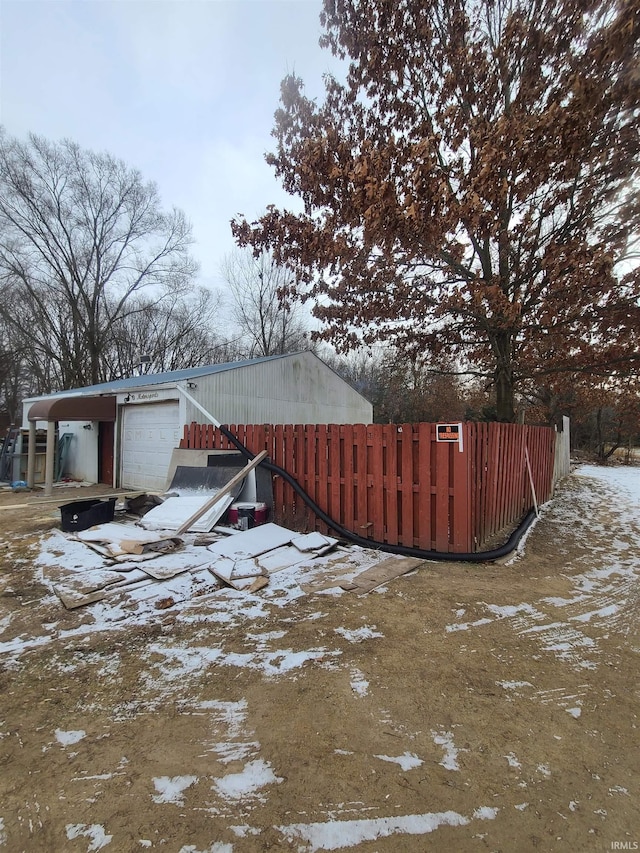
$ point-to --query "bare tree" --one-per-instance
(402, 388)
(12, 375)
(181, 334)
(25, 369)
(82, 237)
(268, 320)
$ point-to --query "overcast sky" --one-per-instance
(184, 90)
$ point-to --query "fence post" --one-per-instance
(460, 502)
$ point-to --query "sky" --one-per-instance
(183, 90)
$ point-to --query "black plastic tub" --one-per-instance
(80, 515)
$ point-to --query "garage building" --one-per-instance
(122, 433)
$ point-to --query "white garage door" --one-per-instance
(149, 436)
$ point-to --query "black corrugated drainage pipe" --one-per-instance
(402, 550)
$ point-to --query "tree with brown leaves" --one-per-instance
(471, 187)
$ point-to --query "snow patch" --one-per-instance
(255, 775)
(485, 813)
(170, 789)
(244, 830)
(359, 683)
(334, 835)
(407, 761)
(445, 740)
(358, 634)
(512, 760)
(464, 626)
(67, 738)
(95, 832)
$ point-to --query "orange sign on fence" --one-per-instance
(450, 432)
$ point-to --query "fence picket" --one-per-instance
(323, 473)
(347, 476)
(333, 471)
(361, 481)
(405, 438)
(390, 482)
(460, 498)
(375, 484)
(426, 439)
(442, 452)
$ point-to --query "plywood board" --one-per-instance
(258, 584)
(91, 581)
(132, 558)
(72, 599)
(282, 558)
(74, 593)
(313, 542)
(223, 571)
(228, 569)
(391, 567)
(170, 565)
(174, 512)
(114, 532)
(328, 580)
(161, 546)
(252, 543)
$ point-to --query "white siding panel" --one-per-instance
(82, 458)
(149, 435)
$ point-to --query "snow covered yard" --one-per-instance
(460, 707)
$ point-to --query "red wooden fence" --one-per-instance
(500, 482)
(396, 483)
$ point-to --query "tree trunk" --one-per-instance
(599, 435)
(503, 380)
(504, 398)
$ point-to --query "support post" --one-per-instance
(31, 455)
(50, 458)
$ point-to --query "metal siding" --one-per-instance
(296, 388)
(299, 389)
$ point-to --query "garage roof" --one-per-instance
(130, 382)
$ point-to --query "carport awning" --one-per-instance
(76, 408)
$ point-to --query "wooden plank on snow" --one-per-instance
(386, 570)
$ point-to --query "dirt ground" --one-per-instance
(461, 707)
